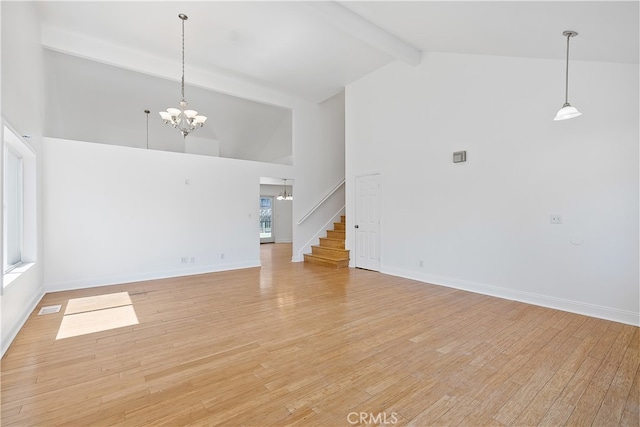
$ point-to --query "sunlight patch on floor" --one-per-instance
(99, 302)
(94, 314)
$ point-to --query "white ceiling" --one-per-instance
(295, 47)
(308, 49)
(607, 30)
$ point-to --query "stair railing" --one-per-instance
(324, 199)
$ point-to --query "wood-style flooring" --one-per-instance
(296, 344)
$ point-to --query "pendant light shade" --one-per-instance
(567, 111)
(181, 119)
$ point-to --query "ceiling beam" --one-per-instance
(366, 31)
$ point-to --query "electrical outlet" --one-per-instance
(421, 263)
(192, 259)
(222, 256)
(555, 219)
(184, 260)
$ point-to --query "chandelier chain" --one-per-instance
(182, 119)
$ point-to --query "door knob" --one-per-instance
(356, 226)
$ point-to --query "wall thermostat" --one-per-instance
(459, 156)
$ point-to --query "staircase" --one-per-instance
(331, 251)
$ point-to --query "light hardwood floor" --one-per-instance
(296, 344)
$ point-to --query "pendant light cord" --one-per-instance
(566, 90)
(147, 113)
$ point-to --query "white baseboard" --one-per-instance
(115, 280)
(592, 310)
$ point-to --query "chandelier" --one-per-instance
(284, 195)
(182, 120)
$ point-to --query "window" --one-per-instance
(266, 220)
(13, 208)
(19, 230)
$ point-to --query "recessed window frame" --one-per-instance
(11, 140)
(13, 204)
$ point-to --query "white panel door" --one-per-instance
(367, 222)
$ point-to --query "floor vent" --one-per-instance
(50, 309)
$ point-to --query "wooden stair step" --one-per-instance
(333, 253)
(336, 234)
(320, 260)
(328, 242)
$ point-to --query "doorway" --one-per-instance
(367, 222)
(275, 211)
(267, 223)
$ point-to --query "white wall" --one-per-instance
(117, 214)
(484, 225)
(320, 169)
(278, 148)
(204, 146)
(22, 110)
(318, 152)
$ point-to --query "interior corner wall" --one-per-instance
(278, 147)
(117, 214)
(484, 225)
(320, 162)
(22, 110)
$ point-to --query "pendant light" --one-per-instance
(567, 111)
(284, 195)
(146, 112)
(184, 121)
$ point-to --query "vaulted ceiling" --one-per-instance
(314, 49)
